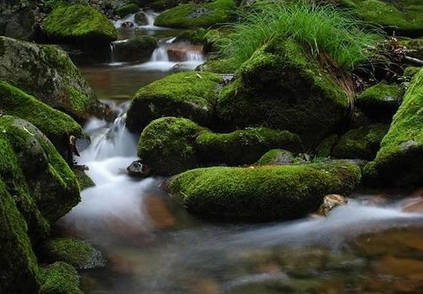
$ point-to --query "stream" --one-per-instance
(152, 245)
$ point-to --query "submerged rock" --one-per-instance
(263, 192)
(400, 158)
(190, 95)
(282, 88)
(81, 25)
(196, 15)
(47, 73)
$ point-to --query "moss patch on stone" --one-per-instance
(277, 156)
(263, 192)
(190, 95)
(136, 48)
(127, 9)
(324, 149)
(83, 179)
(60, 278)
(197, 15)
(243, 146)
(400, 158)
(361, 143)
(79, 23)
(221, 66)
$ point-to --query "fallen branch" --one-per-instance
(413, 61)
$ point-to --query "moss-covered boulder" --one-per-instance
(44, 186)
(79, 24)
(127, 9)
(277, 156)
(80, 254)
(221, 66)
(281, 87)
(17, 18)
(361, 143)
(167, 145)
(197, 15)
(83, 179)
(405, 17)
(415, 47)
(19, 272)
(381, 101)
(60, 278)
(265, 192)
(56, 125)
(243, 146)
(47, 73)
(134, 49)
(400, 158)
(190, 95)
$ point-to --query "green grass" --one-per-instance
(324, 30)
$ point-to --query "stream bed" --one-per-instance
(152, 245)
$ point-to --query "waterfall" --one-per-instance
(112, 52)
(160, 54)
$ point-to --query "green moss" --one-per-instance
(191, 95)
(361, 143)
(264, 192)
(19, 271)
(77, 253)
(60, 278)
(324, 149)
(79, 23)
(403, 16)
(222, 66)
(84, 181)
(281, 87)
(136, 48)
(127, 9)
(400, 158)
(381, 101)
(167, 145)
(411, 71)
(277, 156)
(191, 15)
(56, 125)
(243, 146)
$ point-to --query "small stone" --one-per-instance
(330, 202)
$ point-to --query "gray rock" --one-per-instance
(17, 19)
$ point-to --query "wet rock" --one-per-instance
(137, 169)
(180, 52)
(134, 49)
(141, 18)
(17, 19)
(127, 24)
(198, 12)
(330, 202)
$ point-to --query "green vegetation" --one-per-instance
(127, 9)
(325, 32)
(361, 143)
(277, 156)
(196, 15)
(400, 158)
(243, 146)
(324, 149)
(221, 66)
(263, 192)
(79, 23)
(190, 95)
(83, 179)
(411, 71)
(60, 278)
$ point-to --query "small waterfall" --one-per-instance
(112, 53)
(195, 56)
(160, 54)
(151, 17)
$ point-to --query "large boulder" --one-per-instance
(197, 15)
(47, 73)
(361, 143)
(263, 192)
(190, 95)
(81, 25)
(281, 87)
(17, 18)
(134, 49)
(400, 158)
(56, 125)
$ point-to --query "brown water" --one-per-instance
(152, 245)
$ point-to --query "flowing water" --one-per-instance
(153, 245)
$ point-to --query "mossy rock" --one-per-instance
(281, 87)
(47, 73)
(56, 125)
(127, 9)
(411, 71)
(243, 146)
(167, 145)
(79, 24)
(79, 254)
(135, 49)
(361, 143)
(381, 101)
(221, 66)
(324, 149)
(19, 272)
(197, 15)
(190, 95)
(83, 179)
(60, 278)
(405, 17)
(277, 156)
(17, 19)
(400, 159)
(267, 192)
(415, 46)
(34, 172)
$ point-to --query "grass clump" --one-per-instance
(328, 33)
